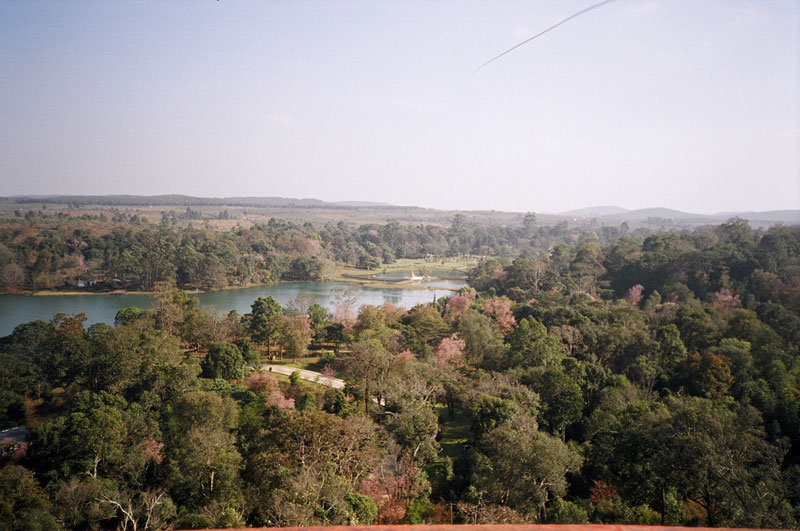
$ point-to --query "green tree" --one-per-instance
(113, 360)
(707, 375)
(529, 224)
(320, 319)
(203, 459)
(224, 360)
(169, 304)
(669, 346)
(531, 346)
(295, 333)
(129, 315)
(90, 440)
(68, 350)
(249, 353)
(562, 400)
(424, 329)
(517, 466)
(481, 341)
(265, 320)
(370, 361)
(23, 503)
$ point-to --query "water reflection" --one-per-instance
(18, 309)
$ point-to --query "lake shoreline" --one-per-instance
(18, 309)
(361, 282)
(435, 270)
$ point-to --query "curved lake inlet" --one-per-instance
(18, 309)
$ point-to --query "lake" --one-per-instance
(18, 309)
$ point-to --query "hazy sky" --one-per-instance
(687, 104)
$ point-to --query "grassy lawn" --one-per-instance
(301, 363)
(313, 362)
(434, 267)
(448, 469)
(280, 377)
(455, 433)
(448, 267)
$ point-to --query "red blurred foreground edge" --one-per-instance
(491, 527)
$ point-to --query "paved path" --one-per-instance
(310, 376)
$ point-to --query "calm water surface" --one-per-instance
(18, 309)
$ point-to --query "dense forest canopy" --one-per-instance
(605, 375)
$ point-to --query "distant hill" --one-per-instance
(647, 216)
(644, 214)
(272, 202)
(361, 204)
(789, 217)
(757, 219)
(594, 212)
(185, 200)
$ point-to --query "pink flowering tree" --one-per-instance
(450, 352)
(392, 486)
(499, 309)
(458, 304)
(261, 383)
(725, 298)
(277, 399)
(634, 295)
(152, 451)
(344, 310)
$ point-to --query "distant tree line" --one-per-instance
(60, 252)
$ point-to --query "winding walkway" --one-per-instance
(310, 376)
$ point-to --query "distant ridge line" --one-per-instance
(608, 213)
(186, 200)
(613, 213)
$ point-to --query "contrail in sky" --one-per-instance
(554, 26)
